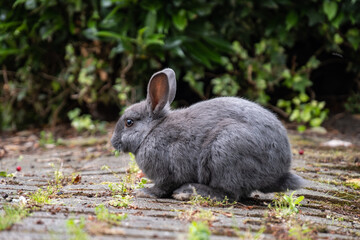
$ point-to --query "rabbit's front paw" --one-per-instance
(144, 193)
(184, 193)
(153, 192)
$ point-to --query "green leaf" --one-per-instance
(294, 115)
(312, 63)
(260, 47)
(199, 231)
(338, 39)
(338, 20)
(238, 49)
(299, 200)
(283, 103)
(201, 53)
(269, 4)
(155, 39)
(315, 122)
(193, 79)
(321, 105)
(291, 20)
(150, 23)
(29, 4)
(74, 113)
(219, 43)
(301, 128)
(48, 31)
(109, 34)
(3, 174)
(4, 26)
(287, 198)
(306, 115)
(207, 52)
(330, 8)
(286, 74)
(148, 4)
(180, 20)
(17, 2)
(55, 86)
(314, 17)
(171, 43)
(117, 49)
(353, 36)
(10, 51)
(90, 33)
(304, 97)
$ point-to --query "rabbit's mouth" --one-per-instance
(116, 143)
(119, 146)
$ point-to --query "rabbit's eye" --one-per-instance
(129, 122)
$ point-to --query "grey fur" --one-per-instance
(226, 146)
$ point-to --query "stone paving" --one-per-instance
(330, 209)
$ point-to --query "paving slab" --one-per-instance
(330, 209)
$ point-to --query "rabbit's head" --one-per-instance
(139, 119)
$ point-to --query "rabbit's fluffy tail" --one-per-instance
(289, 181)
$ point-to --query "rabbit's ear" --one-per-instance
(172, 83)
(161, 89)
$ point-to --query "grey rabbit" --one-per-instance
(223, 147)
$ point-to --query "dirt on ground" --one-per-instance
(77, 188)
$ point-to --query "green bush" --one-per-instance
(56, 55)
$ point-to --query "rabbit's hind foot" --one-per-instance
(187, 191)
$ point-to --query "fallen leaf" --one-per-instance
(354, 181)
(140, 174)
(77, 179)
(101, 228)
(227, 214)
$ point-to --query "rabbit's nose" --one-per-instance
(115, 142)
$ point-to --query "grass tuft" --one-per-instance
(11, 215)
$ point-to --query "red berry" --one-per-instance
(301, 151)
(18, 168)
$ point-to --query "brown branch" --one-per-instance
(124, 71)
(7, 72)
(4, 73)
(127, 67)
(293, 65)
(249, 75)
(278, 111)
(55, 115)
(50, 77)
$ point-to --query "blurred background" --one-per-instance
(83, 62)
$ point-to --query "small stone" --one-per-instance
(50, 146)
(319, 130)
(22, 200)
(9, 199)
(39, 222)
(336, 143)
(5, 195)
